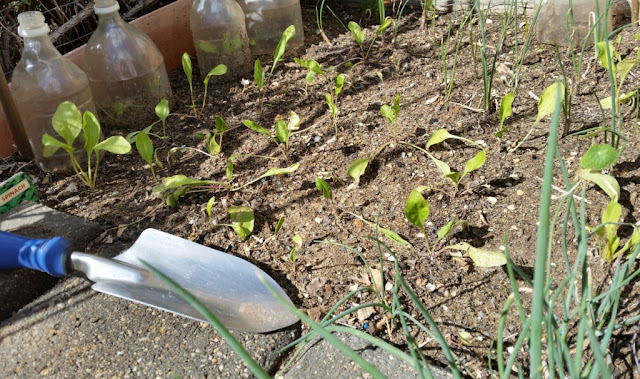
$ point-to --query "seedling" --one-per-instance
(417, 211)
(177, 186)
(358, 166)
(214, 142)
(395, 237)
(323, 187)
(68, 122)
(358, 35)
(293, 253)
(284, 131)
(334, 89)
(454, 177)
(504, 112)
(552, 94)
(391, 114)
(188, 71)
(258, 70)
(147, 152)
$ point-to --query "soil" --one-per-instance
(499, 201)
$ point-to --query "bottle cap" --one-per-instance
(32, 24)
(105, 6)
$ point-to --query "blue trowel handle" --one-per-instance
(48, 255)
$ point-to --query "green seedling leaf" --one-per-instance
(437, 137)
(282, 131)
(280, 171)
(504, 112)
(278, 225)
(394, 237)
(357, 167)
(288, 33)
(623, 99)
(417, 210)
(186, 67)
(548, 100)
(612, 213)
(258, 74)
(339, 84)
(396, 105)
(446, 229)
(386, 24)
(242, 220)
(599, 157)
(173, 199)
(115, 145)
(465, 338)
(387, 112)
(310, 76)
(606, 182)
(200, 135)
(443, 167)
(162, 110)
(180, 181)
(221, 125)
(294, 121)
(210, 203)
(145, 147)
(51, 145)
(481, 258)
(474, 163)
(332, 106)
(212, 146)
(67, 122)
(256, 128)
(158, 161)
(311, 65)
(91, 129)
(293, 254)
(602, 54)
(356, 31)
(229, 171)
(217, 71)
(323, 186)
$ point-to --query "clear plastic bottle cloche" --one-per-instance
(43, 79)
(266, 21)
(558, 23)
(220, 37)
(126, 71)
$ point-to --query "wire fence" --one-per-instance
(71, 21)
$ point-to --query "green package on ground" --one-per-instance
(15, 190)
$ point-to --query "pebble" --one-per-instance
(492, 200)
(511, 207)
(519, 192)
(317, 139)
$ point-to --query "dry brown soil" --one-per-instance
(499, 201)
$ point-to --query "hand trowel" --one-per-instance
(229, 286)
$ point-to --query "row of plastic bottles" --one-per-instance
(124, 74)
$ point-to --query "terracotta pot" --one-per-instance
(168, 27)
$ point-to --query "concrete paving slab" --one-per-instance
(321, 360)
(18, 287)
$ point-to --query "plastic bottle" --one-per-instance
(42, 80)
(126, 71)
(267, 19)
(553, 23)
(220, 37)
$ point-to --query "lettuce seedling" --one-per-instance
(258, 70)
(391, 114)
(68, 122)
(358, 35)
(214, 142)
(454, 177)
(334, 89)
(284, 131)
(188, 71)
(323, 187)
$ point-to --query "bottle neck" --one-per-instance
(39, 48)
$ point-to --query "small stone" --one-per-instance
(318, 220)
(511, 207)
(492, 200)
(519, 192)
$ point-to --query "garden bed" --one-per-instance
(499, 201)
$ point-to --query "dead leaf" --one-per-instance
(364, 313)
(316, 285)
(121, 229)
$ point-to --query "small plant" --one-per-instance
(177, 186)
(417, 211)
(358, 36)
(454, 177)
(358, 166)
(504, 112)
(188, 71)
(391, 114)
(258, 70)
(293, 253)
(324, 187)
(334, 88)
(214, 142)
(284, 131)
(68, 122)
